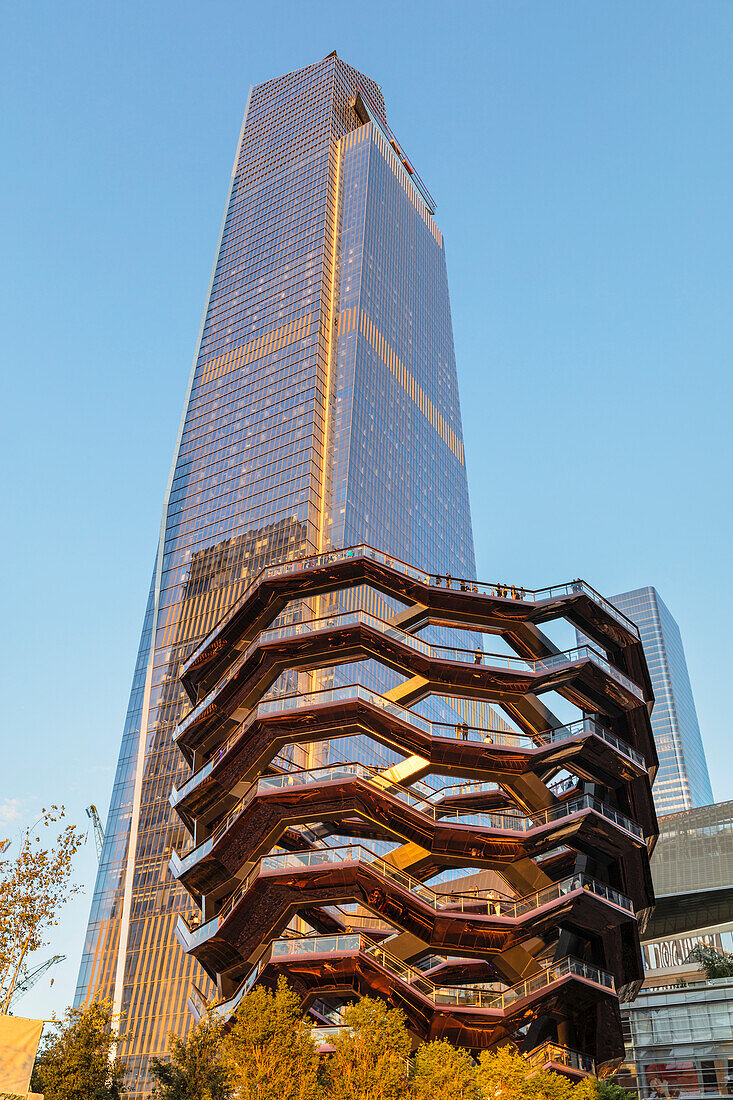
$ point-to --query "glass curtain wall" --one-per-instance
(683, 780)
(322, 410)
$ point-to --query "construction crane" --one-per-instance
(98, 830)
(30, 979)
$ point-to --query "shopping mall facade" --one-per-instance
(679, 1030)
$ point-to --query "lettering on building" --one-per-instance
(676, 952)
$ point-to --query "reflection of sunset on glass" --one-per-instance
(427, 710)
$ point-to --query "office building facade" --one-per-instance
(683, 780)
(679, 1030)
(323, 413)
(680, 1039)
(322, 410)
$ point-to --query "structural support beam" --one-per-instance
(408, 692)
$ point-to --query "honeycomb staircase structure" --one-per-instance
(361, 840)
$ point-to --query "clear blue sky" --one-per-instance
(580, 154)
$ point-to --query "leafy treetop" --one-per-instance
(194, 1068)
(716, 964)
(76, 1062)
(34, 885)
(269, 1053)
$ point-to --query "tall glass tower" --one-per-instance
(683, 780)
(322, 411)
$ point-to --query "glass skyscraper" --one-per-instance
(322, 411)
(683, 780)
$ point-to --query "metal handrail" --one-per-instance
(303, 701)
(503, 820)
(469, 996)
(498, 591)
(360, 616)
(481, 903)
(465, 655)
(480, 996)
(553, 1052)
(423, 803)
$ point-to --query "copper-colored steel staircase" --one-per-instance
(489, 881)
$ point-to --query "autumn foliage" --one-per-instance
(76, 1061)
(269, 1054)
(34, 885)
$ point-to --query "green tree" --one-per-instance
(588, 1088)
(371, 1058)
(75, 1062)
(507, 1073)
(269, 1053)
(716, 964)
(194, 1070)
(442, 1072)
(607, 1089)
(33, 887)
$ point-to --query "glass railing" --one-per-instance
(289, 703)
(588, 726)
(329, 1016)
(497, 591)
(426, 962)
(477, 656)
(420, 797)
(366, 922)
(193, 855)
(478, 903)
(206, 769)
(197, 1002)
(303, 565)
(179, 864)
(468, 996)
(510, 822)
(483, 995)
(462, 731)
(503, 821)
(325, 1033)
(458, 731)
(562, 1056)
(224, 1009)
(569, 886)
(333, 773)
(448, 730)
(340, 942)
(488, 820)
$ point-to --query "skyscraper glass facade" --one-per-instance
(683, 780)
(322, 411)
